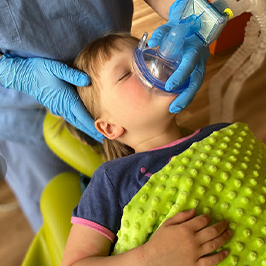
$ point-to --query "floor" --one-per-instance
(15, 233)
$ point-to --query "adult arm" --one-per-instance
(160, 6)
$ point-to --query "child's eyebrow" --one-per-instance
(116, 68)
(114, 73)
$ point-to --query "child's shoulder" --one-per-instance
(125, 166)
(126, 162)
(214, 127)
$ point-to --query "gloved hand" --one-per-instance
(194, 57)
(48, 82)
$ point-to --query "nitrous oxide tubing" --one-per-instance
(249, 67)
(227, 71)
(253, 46)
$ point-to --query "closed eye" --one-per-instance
(126, 75)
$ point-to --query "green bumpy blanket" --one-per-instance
(223, 175)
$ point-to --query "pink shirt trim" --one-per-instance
(178, 141)
(100, 229)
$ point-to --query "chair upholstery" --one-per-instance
(78, 155)
(61, 194)
(58, 199)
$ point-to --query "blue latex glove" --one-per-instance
(194, 57)
(48, 82)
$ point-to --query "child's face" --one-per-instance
(125, 101)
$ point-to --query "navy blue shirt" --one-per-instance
(116, 182)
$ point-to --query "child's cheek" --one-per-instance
(133, 93)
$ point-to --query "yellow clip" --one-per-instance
(228, 12)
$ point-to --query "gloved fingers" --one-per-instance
(195, 43)
(92, 132)
(158, 35)
(84, 121)
(68, 74)
(6, 55)
(186, 97)
(189, 61)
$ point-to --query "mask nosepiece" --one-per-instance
(152, 69)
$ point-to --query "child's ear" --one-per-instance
(109, 130)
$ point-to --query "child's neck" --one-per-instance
(159, 138)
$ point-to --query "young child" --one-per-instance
(141, 138)
(134, 121)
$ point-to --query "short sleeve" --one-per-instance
(99, 206)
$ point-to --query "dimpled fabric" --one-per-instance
(223, 175)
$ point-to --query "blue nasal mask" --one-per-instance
(153, 66)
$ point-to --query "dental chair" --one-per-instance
(61, 194)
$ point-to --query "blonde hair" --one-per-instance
(90, 60)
